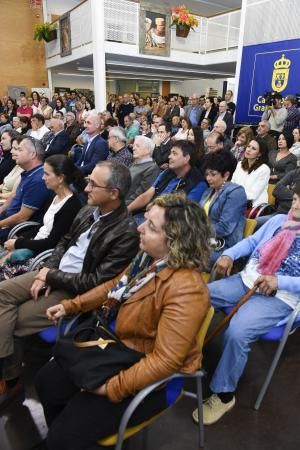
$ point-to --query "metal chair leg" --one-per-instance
(200, 412)
(277, 355)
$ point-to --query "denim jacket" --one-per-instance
(227, 212)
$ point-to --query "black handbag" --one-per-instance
(91, 354)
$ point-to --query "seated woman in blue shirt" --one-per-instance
(59, 174)
(224, 202)
(274, 268)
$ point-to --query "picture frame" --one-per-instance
(65, 35)
(154, 30)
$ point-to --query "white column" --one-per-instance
(240, 49)
(98, 33)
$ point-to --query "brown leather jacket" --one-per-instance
(161, 319)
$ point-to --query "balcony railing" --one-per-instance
(220, 33)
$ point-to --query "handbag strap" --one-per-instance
(101, 343)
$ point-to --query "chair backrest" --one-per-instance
(204, 327)
(249, 227)
(271, 198)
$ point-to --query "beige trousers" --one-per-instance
(20, 315)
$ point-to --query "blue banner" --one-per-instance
(273, 67)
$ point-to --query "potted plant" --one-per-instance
(46, 31)
(183, 20)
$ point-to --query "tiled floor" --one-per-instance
(275, 427)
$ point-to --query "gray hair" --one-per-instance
(119, 133)
(36, 146)
(59, 122)
(147, 143)
(267, 123)
(119, 178)
(222, 123)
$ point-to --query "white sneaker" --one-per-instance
(213, 410)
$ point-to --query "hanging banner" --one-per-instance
(272, 67)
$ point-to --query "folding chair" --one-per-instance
(280, 333)
(125, 432)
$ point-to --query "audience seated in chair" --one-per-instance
(95, 147)
(31, 194)
(12, 179)
(60, 144)
(7, 163)
(143, 170)
(159, 314)
(163, 145)
(281, 160)
(118, 149)
(181, 175)
(253, 173)
(224, 202)
(101, 242)
(274, 269)
(59, 174)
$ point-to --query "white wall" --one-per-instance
(72, 82)
(201, 86)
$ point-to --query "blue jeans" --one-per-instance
(256, 317)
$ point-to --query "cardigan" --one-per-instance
(61, 224)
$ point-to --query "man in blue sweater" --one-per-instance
(274, 267)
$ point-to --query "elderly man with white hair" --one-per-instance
(221, 127)
(143, 170)
(95, 148)
(263, 130)
(118, 149)
(226, 116)
(60, 144)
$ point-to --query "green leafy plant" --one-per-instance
(43, 31)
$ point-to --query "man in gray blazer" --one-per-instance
(194, 111)
(143, 170)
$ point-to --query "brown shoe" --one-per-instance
(16, 393)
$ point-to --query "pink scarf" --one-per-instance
(275, 250)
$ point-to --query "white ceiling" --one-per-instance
(205, 8)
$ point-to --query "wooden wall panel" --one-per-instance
(22, 58)
(165, 88)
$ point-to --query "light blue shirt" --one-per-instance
(72, 261)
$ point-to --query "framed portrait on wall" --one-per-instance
(154, 30)
(65, 35)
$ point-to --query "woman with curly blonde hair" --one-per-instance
(159, 302)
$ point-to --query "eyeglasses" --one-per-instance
(93, 185)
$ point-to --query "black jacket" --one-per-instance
(111, 248)
(61, 224)
(60, 145)
(161, 153)
(6, 165)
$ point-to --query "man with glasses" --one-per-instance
(31, 194)
(263, 132)
(101, 242)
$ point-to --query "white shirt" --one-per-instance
(48, 219)
(250, 274)
(38, 134)
(254, 183)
